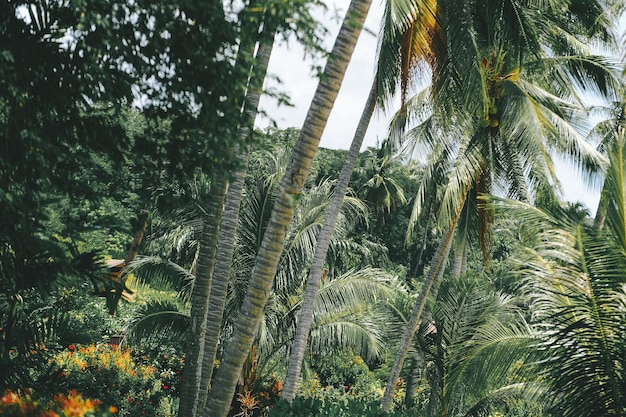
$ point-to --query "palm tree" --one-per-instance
(475, 338)
(344, 310)
(381, 190)
(226, 240)
(573, 277)
(423, 44)
(317, 266)
(491, 120)
(264, 270)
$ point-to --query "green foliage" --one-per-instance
(69, 73)
(343, 369)
(113, 376)
(312, 407)
(41, 326)
(327, 164)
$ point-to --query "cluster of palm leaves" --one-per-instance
(345, 310)
(573, 276)
(506, 96)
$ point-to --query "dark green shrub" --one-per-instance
(342, 370)
(312, 407)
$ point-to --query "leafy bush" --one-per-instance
(112, 376)
(313, 407)
(343, 370)
(21, 404)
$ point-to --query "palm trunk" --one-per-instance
(230, 220)
(434, 276)
(412, 380)
(458, 260)
(197, 372)
(323, 241)
(600, 217)
(262, 277)
(598, 220)
(192, 372)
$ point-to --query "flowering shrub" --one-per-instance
(20, 404)
(113, 376)
(269, 392)
(168, 365)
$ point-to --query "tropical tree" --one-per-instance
(471, 347)
(573, 278)
(317, 267)
(501, 121)
(70, 72)
(423, 45)
(381, 190)
(342, 273)
(260, 22)
(345, 310)
(291, 187)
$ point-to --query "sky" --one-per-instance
(289, 63)
(299, 82)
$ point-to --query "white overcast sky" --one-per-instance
(288, 62)
(299, 82)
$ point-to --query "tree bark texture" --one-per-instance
(262, 277)
(192, 372)
(228, 229)
(323, 242)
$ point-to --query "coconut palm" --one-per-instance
(260, 22)
(381, 190)
(573, 277)
(316, 271)
(344, 313)
(293, 181)
(380, 91)
(503, 102)
(228, 226)
(474, 340)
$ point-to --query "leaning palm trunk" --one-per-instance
(434, 276)
(251, 313)
(226, 244)
(600, 217)
(197, 372)
(459, 261)
(192, 372)
(323, 241)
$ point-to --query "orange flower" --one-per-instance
(10, 398)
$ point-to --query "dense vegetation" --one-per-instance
(159, 256)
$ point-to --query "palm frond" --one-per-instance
(573, 278)
(162, 273)
(154, 320)
(355, 287)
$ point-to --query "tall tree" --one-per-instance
(419, 46)
(572, 274)
(245, 328)
(260, 21)
(471, 344)
(493, 128)
(68, 75)
(230, 218)
(323, 242)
